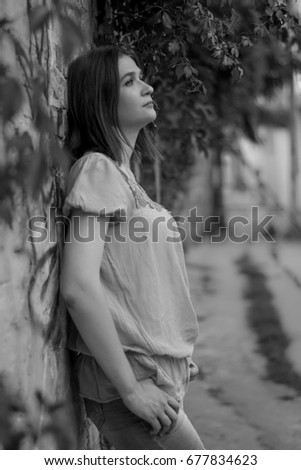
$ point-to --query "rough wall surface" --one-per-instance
(33, 319)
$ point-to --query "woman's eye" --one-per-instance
(131, 80)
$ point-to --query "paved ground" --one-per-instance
(231, 403)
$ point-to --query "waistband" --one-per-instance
(170, 374)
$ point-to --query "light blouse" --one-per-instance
(142, 271)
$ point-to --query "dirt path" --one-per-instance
(231, 403)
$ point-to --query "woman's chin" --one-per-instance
(152, 117)
(147, 119)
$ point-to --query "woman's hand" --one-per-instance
(153, 405)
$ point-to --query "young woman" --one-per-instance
(125, 286)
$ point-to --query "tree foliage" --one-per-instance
(209, 62)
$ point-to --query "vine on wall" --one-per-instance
(19, 430)
(28, 157)
(32, 162)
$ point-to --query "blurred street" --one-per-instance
(232, 403)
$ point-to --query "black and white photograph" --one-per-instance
(150, 230)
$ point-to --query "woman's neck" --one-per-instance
(127, 150)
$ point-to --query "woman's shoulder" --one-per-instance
(97, 164)
(95, 157)
(94, 184)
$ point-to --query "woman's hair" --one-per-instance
(92, 114)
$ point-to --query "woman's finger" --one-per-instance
(174, 404)
(156, 426)
(173, 416)
(165, 424)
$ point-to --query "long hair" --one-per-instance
(92, 112)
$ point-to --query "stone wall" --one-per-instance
(33, 357)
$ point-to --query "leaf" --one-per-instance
(260, 30)
(187, 71)
(6, 212)
(217, 53)
(240, 70)
(174, 46)
(203, 36)
(246, 42)
(40, 112)
(201, 9)
(42, 121)
(38, 17)
(269, 11)
(227, 61)
(167, 21)
(237, 74)
(108, 11)
(11, 97)
(72, 35)
(39, 171)
(60, 158)
(6, 180)
(174, 61)
(212, 37)
(179, 71)
(6, 195)
(23, 145)
(20, 142)
(234, 52)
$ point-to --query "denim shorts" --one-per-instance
(172, 375)
(126, 431)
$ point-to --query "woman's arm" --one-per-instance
(85, 297)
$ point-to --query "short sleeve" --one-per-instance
(95, 185)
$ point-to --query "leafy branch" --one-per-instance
(29, 155)
(209, 61)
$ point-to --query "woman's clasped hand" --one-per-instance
(153, 405)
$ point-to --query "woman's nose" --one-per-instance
(147, 89)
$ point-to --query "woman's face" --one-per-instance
(135, 107)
